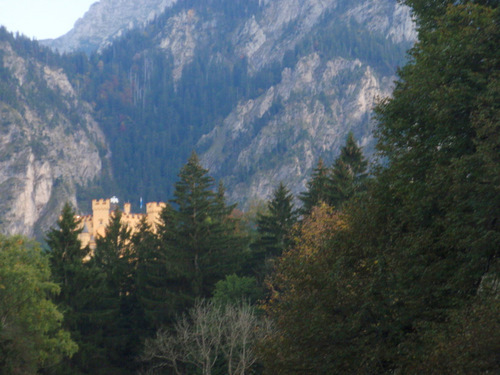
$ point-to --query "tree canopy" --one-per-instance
(405, 277)
(31, 336)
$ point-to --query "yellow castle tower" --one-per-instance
(94, 225)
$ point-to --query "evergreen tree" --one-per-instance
(148, 278)
(199, 240)
(116, 300)
(317, 189)
(348, 173)
(67, 256)
(336, 185)
(274, 229)
(69, 269)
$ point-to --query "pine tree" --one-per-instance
(199, 240)
(274, 230)
(115, 302)
(317, 189)
(67, 256)
(75, 277)
(149, 290)
(348, 174)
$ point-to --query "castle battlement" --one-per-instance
(132, 216)
(94, 225)
(101, 204)
(155, 205)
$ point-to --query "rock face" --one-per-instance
(307, 115)
(324, 92)
(313, 70)
(105, 21)
(280, 135)
(49, 144)
(284, 23)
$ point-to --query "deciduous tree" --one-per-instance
(31, 336)
(208, 333)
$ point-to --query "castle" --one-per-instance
(94, 225)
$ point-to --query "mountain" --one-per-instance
(50, 143)
(261, 89)
(328, 89)
(105, 21)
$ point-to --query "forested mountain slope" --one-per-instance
(261, 89)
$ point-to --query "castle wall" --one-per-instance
(101, 210)
(94, 225)
(153, 211)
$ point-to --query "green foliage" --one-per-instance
(274, 229)
(427, 12)
(317, 189)
(234, 289)
(468, 344)
(75, 278)
(393, 285)
(118, 307)
(31, 337)
(199, 241)
(336, 185)
(438, 185)
(151, 294)
(349, 173)
(66, 253)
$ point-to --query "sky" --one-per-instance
(42, 19)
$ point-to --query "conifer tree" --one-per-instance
(198, 238)
(148, 279)
(74, 275)
(337, 184)
(274, 229)
(67, 256)
(348, 173)
(317, 189)
(115, 289)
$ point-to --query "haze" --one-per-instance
(42, 19)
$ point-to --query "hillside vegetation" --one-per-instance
(394, 271)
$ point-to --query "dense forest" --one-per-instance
(392, 271)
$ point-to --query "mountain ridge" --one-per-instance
(105, 21)
(260, 89)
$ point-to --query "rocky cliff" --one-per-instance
(261, 89)
(307, 116)
(281, 134)
(49, 143)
